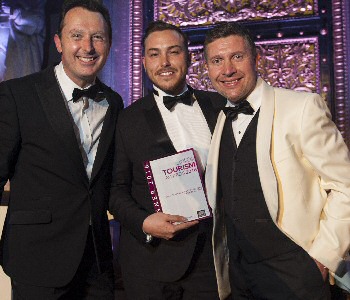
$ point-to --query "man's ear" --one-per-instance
(58, 43)
(188, 59)
(257, 58)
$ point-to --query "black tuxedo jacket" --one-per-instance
(51, 198)
(141, 135)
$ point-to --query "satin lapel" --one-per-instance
(264, 149)
(211, 173)
(107, 135)
(219, 239)
(54, 107)
(155, 122)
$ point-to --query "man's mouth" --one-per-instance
(86, 59)
(165, 72)
(230, 82)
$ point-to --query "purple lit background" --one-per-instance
(317, 30)
(313, 34)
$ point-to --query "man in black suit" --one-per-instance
(161, 259)
(57, 150)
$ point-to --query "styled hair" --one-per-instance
(161, 26)
(91, 5)
(227, 29)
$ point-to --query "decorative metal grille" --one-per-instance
(205, 12)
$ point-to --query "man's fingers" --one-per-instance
(185, 225)
(165, 226)
(175, 219)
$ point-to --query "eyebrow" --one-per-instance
(76, 30)
(215, 56)
(231, 54)
(169, 48)
(175, 46)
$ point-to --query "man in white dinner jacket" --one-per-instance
(277, 179)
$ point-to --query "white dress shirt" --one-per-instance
(240, 124)
(88, 116)
(186, 126)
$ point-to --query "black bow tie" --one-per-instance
(170, 101)
(90, 93)
(242, 107)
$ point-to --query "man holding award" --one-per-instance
(163, 255)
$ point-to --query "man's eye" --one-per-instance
(174, 52)
(153, 54)
(238, 57)
(98, 38)
(216, 61)
(76, 36)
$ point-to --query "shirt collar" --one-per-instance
(161, 93)
(67, 85)
(254, 97)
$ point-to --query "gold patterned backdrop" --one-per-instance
(205, 12)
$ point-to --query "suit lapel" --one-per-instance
(210, 104)
(155, 122)
(54, 107)
(107, 133)
(211, 173)
(264, 150)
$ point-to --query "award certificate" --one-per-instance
(176, 186)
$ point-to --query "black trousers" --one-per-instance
(199, 282)
(289, 276)
(87, 284)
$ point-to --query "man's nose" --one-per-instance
(229, 68)
(87, 45)
(164, 60)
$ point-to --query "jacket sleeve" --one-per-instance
(324, 148)
(10, 137)
(122, 204)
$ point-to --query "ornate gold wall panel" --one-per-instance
(290, 63)
(205, 12)
(197, 73)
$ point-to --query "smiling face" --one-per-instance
(84, 45)
(231, 67)
(165, 61)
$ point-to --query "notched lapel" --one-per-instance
(56, 112)
(107, 135)
(156, 124)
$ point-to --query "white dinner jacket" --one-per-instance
(304, 168)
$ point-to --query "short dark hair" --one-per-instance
(91, 5)
(227, 29)
(161, 26)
